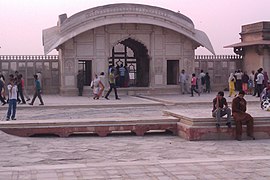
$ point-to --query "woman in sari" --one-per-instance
(98, 87)
(231, 82)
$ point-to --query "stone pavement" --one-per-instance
(154, 156)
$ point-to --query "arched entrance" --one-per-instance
(134, 56)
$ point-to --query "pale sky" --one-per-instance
(22, 21)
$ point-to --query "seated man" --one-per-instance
(239, 107)
(220, 109)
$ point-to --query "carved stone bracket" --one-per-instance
(239, 50)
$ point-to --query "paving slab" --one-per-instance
(154, 156)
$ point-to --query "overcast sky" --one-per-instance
(22, 21)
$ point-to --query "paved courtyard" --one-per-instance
(126, 156)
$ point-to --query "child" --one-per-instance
(12, 103)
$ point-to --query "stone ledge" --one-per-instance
(102, 127)
(193, 126)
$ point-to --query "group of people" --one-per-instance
(198, 84)
(252, 84)
(256, 84)
(238, 110)
(98, 84)
(16, 93)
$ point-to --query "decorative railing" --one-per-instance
(28, 57)
(27, 65)
(218, 66)
(197, 57)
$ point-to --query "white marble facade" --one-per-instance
(91, 35)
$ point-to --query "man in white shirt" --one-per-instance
(183, 78)
(122, 71)
(259, 80)
(12, 95)
(251, 82)
(201, 82)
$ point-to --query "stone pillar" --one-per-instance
(266, 61)
(68, 69)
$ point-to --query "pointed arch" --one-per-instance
(138, 65)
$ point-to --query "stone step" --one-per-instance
(200, 125)
(100, 126)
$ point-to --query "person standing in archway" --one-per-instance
(112, 85)
(122, 72)
(80, 82)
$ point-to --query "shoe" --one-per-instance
(23, 103)
(28, 99)
(30, 104)
(217, 125)
(7, 119)
(107, 98)
(191, 96)
(14, 119)
(41, 104)
(4, 103)
(117, 98)
(251, 137)
(229, 124)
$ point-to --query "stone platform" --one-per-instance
(126, 156)
(200, 125)
(188, 117)
(100, 126)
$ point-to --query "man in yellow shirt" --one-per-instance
(112, 85)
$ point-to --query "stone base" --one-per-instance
(101, 127)
(188, 124)
(196, 127)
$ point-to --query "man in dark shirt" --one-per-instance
(220, 109)
(239, 107)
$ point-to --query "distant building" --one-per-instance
(153, 43)
(254, 46)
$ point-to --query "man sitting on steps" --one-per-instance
(239, 107)
(220, 109)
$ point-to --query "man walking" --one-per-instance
(112, 85)
(37, 91)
